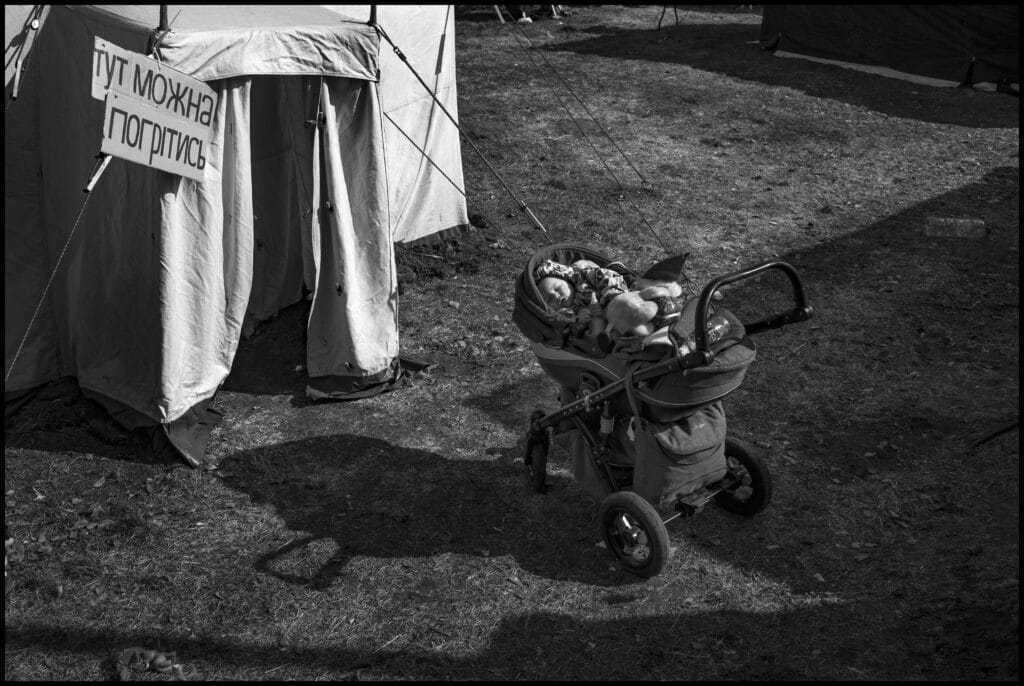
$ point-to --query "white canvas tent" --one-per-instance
(147, 288)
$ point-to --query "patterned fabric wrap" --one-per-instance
(606, 283)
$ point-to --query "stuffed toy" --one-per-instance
(654, 301)
(646, 308)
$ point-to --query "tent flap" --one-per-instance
(349, 52)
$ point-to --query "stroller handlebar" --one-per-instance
(800, 312)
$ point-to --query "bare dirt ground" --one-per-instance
(396, 537)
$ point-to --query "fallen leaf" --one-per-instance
(99, 482)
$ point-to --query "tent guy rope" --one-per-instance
(103, 161)
(46, 288)
(522, 205)
(645, 184)
(558, 74)
(491, 222)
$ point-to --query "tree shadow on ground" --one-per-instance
(374, 498)
(731, 49)
(547, 646)
(953, 298)
(911, 357)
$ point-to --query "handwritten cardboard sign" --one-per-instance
(155, 115)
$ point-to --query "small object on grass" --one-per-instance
(954, 227)
(142, 659)
(996, 432)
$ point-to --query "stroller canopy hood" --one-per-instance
(537, 321)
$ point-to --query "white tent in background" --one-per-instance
(937, 44)
(147, 288)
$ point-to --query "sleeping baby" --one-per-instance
(581, 289)
(575, 286)
(599, 296)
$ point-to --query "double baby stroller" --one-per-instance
(642, 418)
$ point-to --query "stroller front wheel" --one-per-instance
(634, 533)
(536, 457)
(753, 484)
(538, 466)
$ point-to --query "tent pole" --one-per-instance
(373, 15)
(522, 205)
(103, 159)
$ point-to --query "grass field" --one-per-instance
(396, 537)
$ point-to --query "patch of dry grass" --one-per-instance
(396, 538)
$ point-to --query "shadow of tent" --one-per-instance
(544, 645)
(370, 497)
(731, 49)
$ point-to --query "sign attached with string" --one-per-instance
(155, 115)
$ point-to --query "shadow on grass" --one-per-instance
(548, 646)
(892, 299)
(916, 330)
(371, 497)
(912, 355)
(729, 49)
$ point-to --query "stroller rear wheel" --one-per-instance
(634, 533)
(753, 489)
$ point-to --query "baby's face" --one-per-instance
(556, 292)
